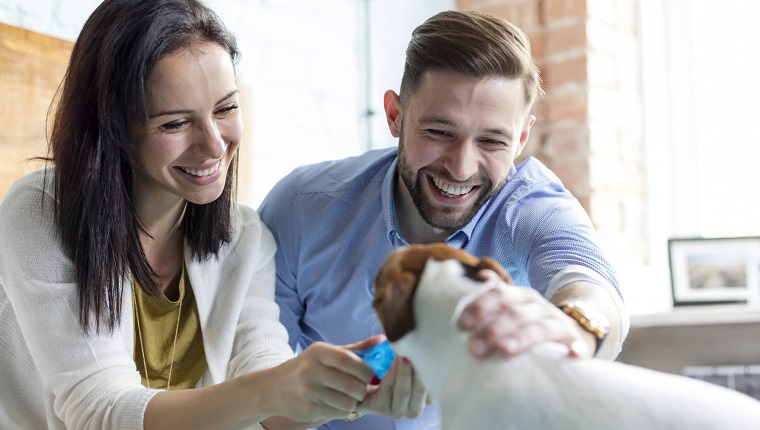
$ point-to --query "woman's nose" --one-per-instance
(210, 142)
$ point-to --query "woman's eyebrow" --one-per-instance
(187, 111)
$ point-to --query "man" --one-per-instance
(462, 116)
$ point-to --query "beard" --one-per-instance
(445, 218)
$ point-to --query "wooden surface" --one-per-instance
(31, 68)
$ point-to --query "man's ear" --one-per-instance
(525, 133)
(392, 104)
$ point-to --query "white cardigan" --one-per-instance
(52, 375)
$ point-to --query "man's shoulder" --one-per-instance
(322, 184)
(533, 188)
(334, 175)
(533, 171)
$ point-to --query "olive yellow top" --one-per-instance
(172, 343)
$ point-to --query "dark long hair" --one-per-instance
(102, 94)
(474, 44)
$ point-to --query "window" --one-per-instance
(699, 58)
(700, 98)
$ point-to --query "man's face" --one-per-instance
(458, 139)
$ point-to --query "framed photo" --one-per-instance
(714, 271)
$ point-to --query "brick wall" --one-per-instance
(588, 128)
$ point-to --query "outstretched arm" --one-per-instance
(323, 383)
(510, 320)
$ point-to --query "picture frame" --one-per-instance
(715, 271)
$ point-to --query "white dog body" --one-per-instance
(545, 389)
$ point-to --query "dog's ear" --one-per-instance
(489, 263)
(394, 303)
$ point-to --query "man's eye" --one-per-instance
(437, 132)
(494, 142)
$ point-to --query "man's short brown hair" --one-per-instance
(474, 44)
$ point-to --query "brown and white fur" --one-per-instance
(419, 294)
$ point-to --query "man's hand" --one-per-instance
(509, 320)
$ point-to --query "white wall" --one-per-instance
(390, 29)
(59, 18)
(312, 78)
(300, 70)
(303, 72)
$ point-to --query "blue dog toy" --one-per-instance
(379, 357)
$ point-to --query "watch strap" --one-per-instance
(589, 319)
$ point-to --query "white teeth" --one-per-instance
(201, 172)
(450, 189)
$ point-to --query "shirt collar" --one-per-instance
(458, 239)
(389, 209)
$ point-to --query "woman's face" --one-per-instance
(193, 130)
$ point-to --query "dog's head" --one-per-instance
(397, 281)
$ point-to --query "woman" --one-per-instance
(127, 273)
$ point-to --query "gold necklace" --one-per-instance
(142, 347)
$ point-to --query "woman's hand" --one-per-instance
(326, 382)
(323, 382)
(400, 393)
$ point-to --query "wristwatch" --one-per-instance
(590, 319)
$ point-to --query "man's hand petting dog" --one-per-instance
(509, 320)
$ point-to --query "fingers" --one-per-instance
(366, 343)
(335, 403)
(514, 334)
(494, 301)
(509, 320)
(400, 393)
(418, 399)
(332, 382)
(402, 389)
(342, 360)
(339, 369)
(330, 377)
(487, 274)
(312, 385)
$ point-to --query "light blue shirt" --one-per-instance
(335, 223)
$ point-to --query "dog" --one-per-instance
(420, 292)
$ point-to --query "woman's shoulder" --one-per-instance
(251, 241)
(246, 218)
(38, 180)
(248, 226)
(27, 218)
(29, 193)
